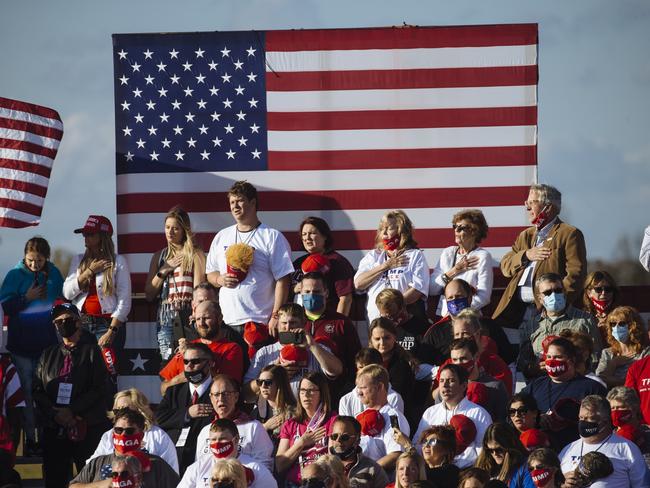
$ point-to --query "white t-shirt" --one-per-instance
(254, 442)
(439, 415)
(414, 275)
(252, 299)
(155, 441)
(350, 403)
(480, 278)
(629, 466)
(267, 354)
(198, 474)
(379, 446)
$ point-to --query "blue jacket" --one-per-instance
(30, 328)
(521, 478)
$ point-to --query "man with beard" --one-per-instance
(128, 432)
(185, 408)
(70, 397)
(344, 444)
(228, 357)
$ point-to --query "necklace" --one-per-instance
(252, 233)
(582, 446)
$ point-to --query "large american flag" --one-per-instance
(343, 123)
(29, 139)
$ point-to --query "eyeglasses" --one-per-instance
(309, 391)
(63, 321)
(124, 430)
(430, 442)
(266, 383)
(547, 293)
(460, 228)
(314, 483)
(517, 411)
(119, 474)
(529, 203)
(223, 394)
(499, 451)
(194, 361)
(618, 324)
(603, 289)
(539, 466)
(341, 437)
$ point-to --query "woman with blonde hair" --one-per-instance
(628, 341)
(228, 472)
(409, 468)
(395, 262)
(174, 271)
(333, 469)
(156, 441)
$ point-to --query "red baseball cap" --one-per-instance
(465, 431)
(372, 422)
(478, 393)
(291, 352)
(315, 262)
(533, 439)
(96, 223)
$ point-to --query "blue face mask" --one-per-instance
(621, 333)
(555, 302)
(456, 305)
(313, 303)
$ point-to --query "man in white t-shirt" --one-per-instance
(596, 435)
(224, 442)
(453, 388)
(350, 403)
(254, 295)
(379, 418)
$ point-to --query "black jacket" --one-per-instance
(171, 416)
(88, 377)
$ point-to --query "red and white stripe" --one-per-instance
(430, 120)
(29, 139)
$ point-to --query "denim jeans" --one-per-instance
(26, 369)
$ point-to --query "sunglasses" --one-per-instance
(603, 289)
(341, 437)
(460, 228)
(539, 466)
(124, 430)
(430, 442)
(118, 474)
(618, 324)
(266, 383)
(517, 411)
(547, 293)
(194, 362)
(499, 451)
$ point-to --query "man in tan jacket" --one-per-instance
(549, 246)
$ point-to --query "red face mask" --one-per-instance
(601, 306)
(124, 443)
(621, 417)
(391, 244)
(469, 365)
(124, 480)
(542, 219)
(222, 449)
(556, 367)
(541, 477)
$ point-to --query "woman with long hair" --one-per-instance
(155, 441)
(523, 413)
(174, 271)
(409, 468)
(504, 456)
(304, 437)
(99, 284)
(317, 240)
(601, 295)
(27, 294)
(400, 364)
(628, 341)
(228, 472)
(276, 402)
(395, 262)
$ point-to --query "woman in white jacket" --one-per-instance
(99, 284)
(466, 260)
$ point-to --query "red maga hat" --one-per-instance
(96, 223)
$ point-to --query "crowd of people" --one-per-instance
(266, 380)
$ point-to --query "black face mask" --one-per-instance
(346, 455)
(588, 429)
(224, 484)
(67, 328)
(196, 377)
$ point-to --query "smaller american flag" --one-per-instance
(29, 139)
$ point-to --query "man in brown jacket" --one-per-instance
(549, 246)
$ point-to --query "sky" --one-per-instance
(594, 110)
